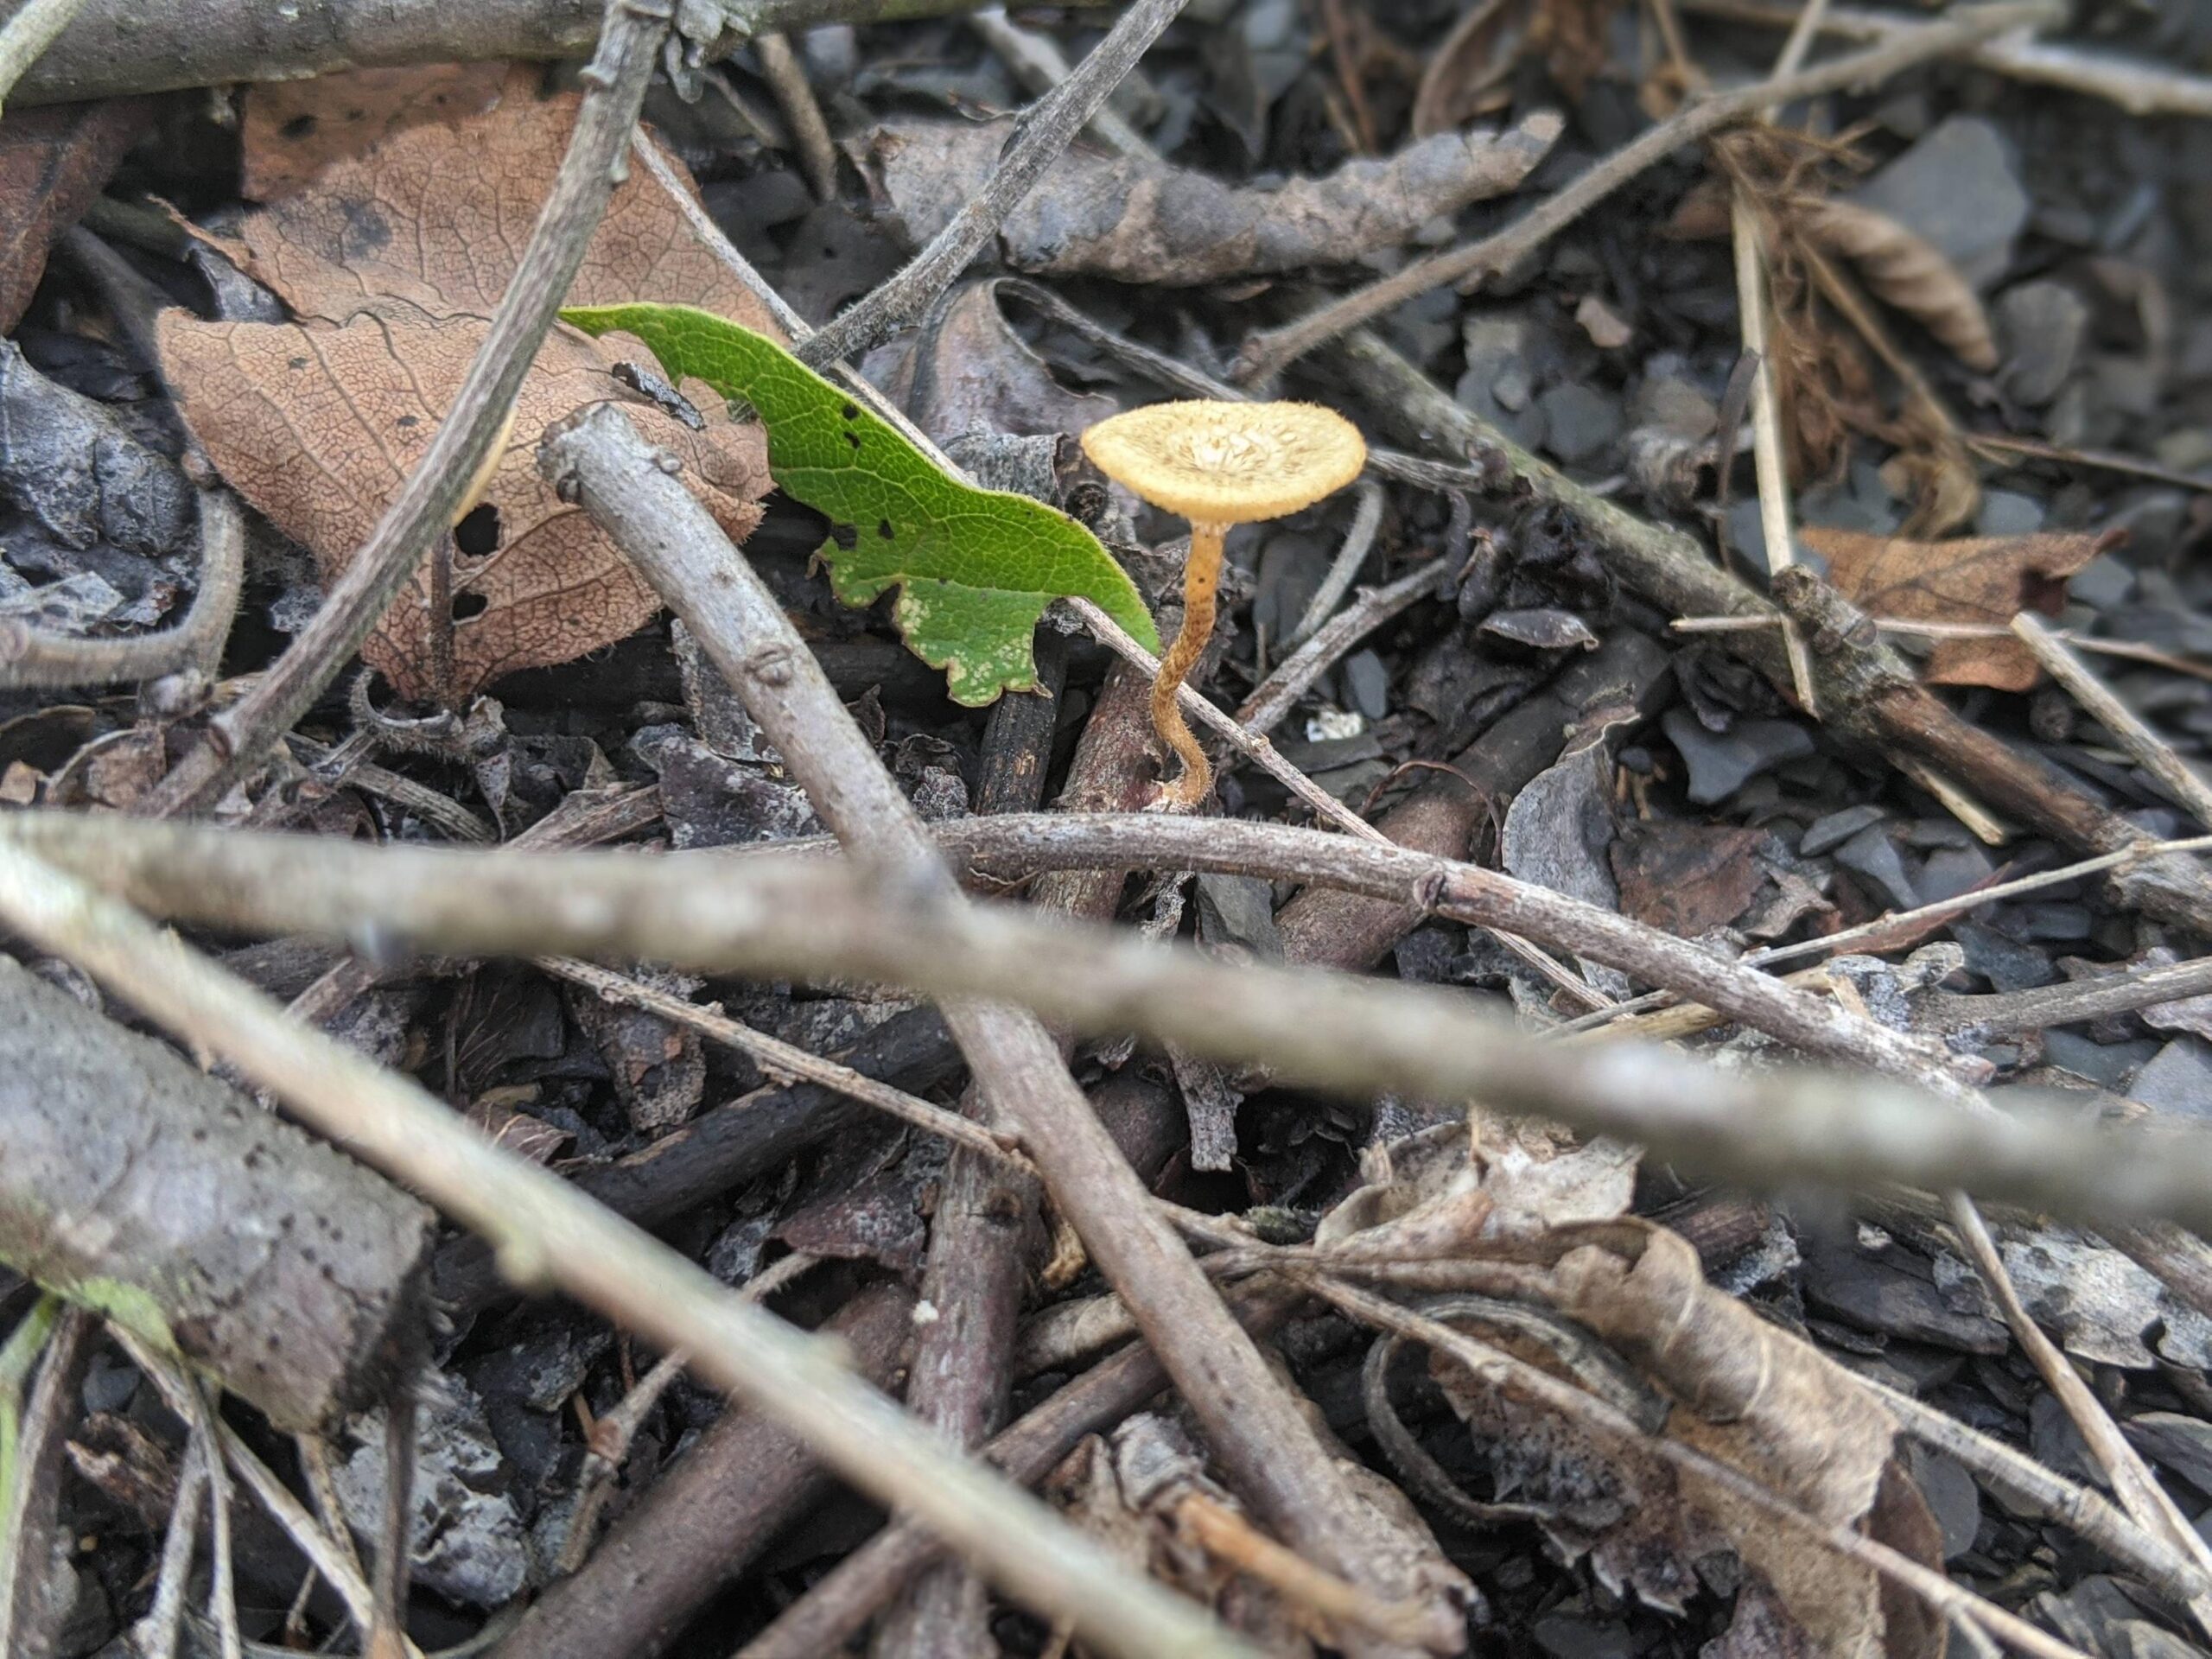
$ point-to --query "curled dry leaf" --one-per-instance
(1143, 221)
(1746, 1394)
(1469, 72)
(393, 261)
(53, 163)
(1975, 579)
(1905, 272)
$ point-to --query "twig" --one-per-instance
(1041, 132)
(615, 88)
(33, 1446)
(2133, 649)
(387, 1635)
(781, 1059)
(2130, 1477)
(550, 1234)
(1265, 1445)
(2150, 750)
(1275, 696)
(29, 656)
(818, 155)
(2005, 443)
(2138, 88)
(776, 919)
(153, 1636)
(1496, 1368)
(32, 28)
(1039, 63)
(1351, 553)
(119, 47)
(1267, 354)
(2043, 1006)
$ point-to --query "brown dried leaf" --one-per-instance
(1687, 878)
(1572, 36)
(1975, 579)
(1140, 221)
(318, 426)
(432, 221)
(293, 129)
(1749, 1395)
(53, 163)
(1904, 272)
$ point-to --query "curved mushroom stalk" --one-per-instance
(1201, 580)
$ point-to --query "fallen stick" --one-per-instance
(775, 917)
(552, 1234)
(134, 1183)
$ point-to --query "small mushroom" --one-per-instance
(1218, 464)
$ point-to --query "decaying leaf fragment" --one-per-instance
(318, 427)
(1745, 1393)
(393, 261)
(53, 163)
(1906, 271)
(292, 129)
(1141, 222)
(1975, 579)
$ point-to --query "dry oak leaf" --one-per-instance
(1977, 579)
(432, 221)
(53, 163)
(294, 129)
(318, 426)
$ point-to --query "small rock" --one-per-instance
(1580, 423)
(1894, 1292)
(2102, 583)
(1367, 685)
(2040, 325)
(1837, 828)
(1952, 1496)
(1956, 189)
(2007, 512)
(2108, 1064)
(2057, 1445)
(1950, 871)
(1872, 853)
(2178, 1079)
(1578, 1636)
(1722, 762)
(2181, 1445)
(2056, 921)
(1676, 405)
(1604, 326)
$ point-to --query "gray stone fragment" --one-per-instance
(1837, 828)
(1956, 189)
(1950, 871)
(1952, 1496)
(2007, 512)
(2178, 1079)
(1872, 853)
(1367, 683)
(2006, 963)
(1722, 762)
(2182, 1445)
(2039, 326)
(2105, 1064)
(1580, 423)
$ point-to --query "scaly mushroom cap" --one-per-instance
(1224, 463)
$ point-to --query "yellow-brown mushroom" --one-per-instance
(1218, 464)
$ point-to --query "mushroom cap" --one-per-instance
(1229, 463)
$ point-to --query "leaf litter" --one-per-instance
(393, 261)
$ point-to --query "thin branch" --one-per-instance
(2043, 1006)
(29, 656)
(1267, 354)
(2140, 88)
(773, 918)
(1275, 696)
(549, 1233)
(614, 89)
(1039, 63)
(1351, 553)
(2150, 750)
(817, 154)
(1040, 134)
(35, 26)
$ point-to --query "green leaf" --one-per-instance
(975, 568)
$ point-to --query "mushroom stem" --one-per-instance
(1201, 578)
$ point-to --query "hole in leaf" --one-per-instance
(478, 534)
(298, 127)
(883, 528)
(851, 411)
(853, 438)
(467, 605)
(845, 535)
